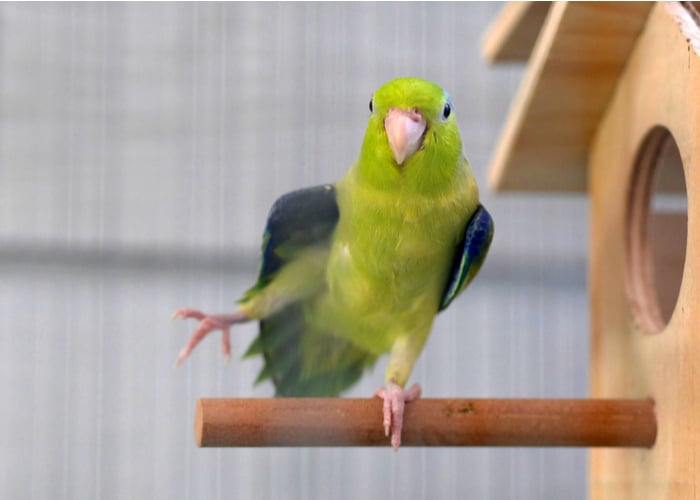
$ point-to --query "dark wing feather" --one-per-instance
(469, 255)
(298, 219)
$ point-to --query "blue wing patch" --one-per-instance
(469, 255)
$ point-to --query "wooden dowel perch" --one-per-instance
(427, 422)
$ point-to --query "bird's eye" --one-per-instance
(371, 105)
(446, 111)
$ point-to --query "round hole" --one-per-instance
(657, 230)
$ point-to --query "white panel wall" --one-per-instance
(141, 146)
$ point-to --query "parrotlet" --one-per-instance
(356, 269)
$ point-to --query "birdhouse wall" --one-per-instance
(658, 92)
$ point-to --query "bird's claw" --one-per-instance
(395, 398)
(188, 313)
(208, 323)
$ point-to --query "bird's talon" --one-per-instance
(395, 399)
(180, 358)
(208, 323)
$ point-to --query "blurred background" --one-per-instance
(141, 146)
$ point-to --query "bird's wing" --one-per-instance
(469, 255)
(299, 221)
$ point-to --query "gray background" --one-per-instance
(141, 146)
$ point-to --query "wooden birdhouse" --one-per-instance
(610, 105)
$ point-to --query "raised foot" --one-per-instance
(208, 323)
(395, 398)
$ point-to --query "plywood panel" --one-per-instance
(660, 86)
(572, 73)
(512, 35)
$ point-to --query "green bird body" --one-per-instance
(360, 268)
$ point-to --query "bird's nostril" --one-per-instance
(415, 115)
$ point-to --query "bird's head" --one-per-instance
(412, 131)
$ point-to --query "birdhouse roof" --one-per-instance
(576, 53)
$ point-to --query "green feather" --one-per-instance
(255, 348)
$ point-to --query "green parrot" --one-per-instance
(356, 269)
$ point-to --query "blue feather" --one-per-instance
(469, 255)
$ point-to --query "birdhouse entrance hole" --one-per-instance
(656, 230)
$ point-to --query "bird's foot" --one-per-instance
(395, 398)
(208, 323)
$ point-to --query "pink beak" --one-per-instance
(405, 130)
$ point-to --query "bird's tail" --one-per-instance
(304, 363)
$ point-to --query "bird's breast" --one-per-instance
(393, 265)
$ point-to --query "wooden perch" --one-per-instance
(427, 422)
